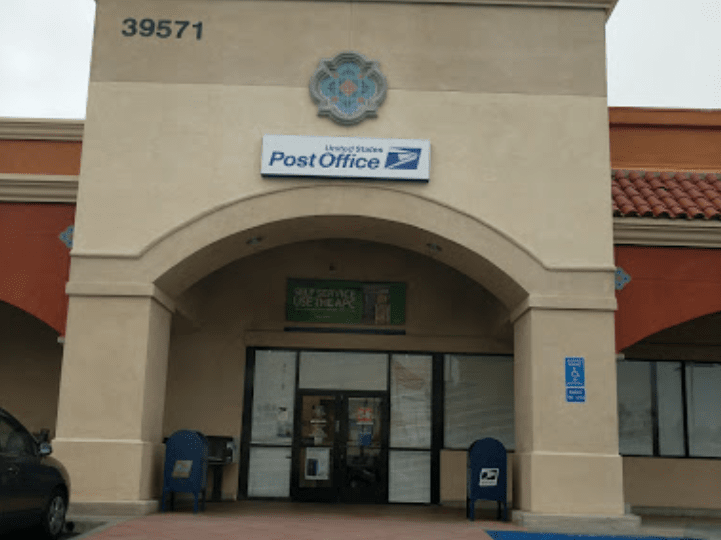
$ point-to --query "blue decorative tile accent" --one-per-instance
(348, 88)
(66, 237)
(622, 278)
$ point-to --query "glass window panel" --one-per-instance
(318, 420)
(343, 370)
(269, 472)
(478, 400)
(316, 467)
(409, 476)
(365, 422)
(703, 391)
(411, 400)
(670, 408)
(634, 408)
(5, 431)
(273, 397)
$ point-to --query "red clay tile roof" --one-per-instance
(666, 195)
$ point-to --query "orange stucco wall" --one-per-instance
(668, 286)
(34, 262)
(665, 140)
(40, 157)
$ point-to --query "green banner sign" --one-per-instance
(346, 302)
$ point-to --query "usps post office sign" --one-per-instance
(346, 157)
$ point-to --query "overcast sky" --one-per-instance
(660, 53)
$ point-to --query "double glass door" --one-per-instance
(340, 450)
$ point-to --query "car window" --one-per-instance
(5, 430)
(14, 440)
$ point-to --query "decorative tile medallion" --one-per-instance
(66, 237)
(622, 278)
(348, 88)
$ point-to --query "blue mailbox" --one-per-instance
(487, 476)
(186, 466)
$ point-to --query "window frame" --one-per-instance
(446, 356)
(653, 378)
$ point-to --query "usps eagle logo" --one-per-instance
(348, 88)
(403, 158)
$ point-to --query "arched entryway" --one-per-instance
(123, 306)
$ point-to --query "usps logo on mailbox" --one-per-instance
(489, 478)
(182, 468)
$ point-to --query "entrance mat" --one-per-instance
(517, 535)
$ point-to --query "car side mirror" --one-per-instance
(45, 449)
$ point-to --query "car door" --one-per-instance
(7, 474)
(4, 491)
(22, 487)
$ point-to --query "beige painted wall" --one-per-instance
(30, 359)
(513, 101)
(461, 48)
(494, 156)
(672, 483)
(243, 304)
(566, 452)
(514, 131)
(111, 401)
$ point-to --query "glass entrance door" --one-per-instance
(341, 447)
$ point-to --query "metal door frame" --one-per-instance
(339, 492)
(436, 425)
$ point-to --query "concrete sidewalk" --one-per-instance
(261, 520)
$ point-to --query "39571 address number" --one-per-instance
(163, 28)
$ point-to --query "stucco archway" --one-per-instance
(556, 311)
(368, 212)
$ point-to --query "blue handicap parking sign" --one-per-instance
(576, 395)
(575, 380)
(575, 372)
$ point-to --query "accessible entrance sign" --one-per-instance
(575, 380)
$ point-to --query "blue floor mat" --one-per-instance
(517, 535)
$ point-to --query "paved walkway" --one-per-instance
(262, 520)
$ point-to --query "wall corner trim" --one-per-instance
(38, 188)
(41, 130)
(558, 302)
(121, 289)
(667, 232)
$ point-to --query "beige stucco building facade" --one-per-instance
(183, 253)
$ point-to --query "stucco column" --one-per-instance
(112, 393)
(567, 462)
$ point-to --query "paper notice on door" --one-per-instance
(364, 415)
(317, 463)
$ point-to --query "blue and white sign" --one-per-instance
(346, 157)
(575, 380)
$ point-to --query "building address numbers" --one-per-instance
(162, 28)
